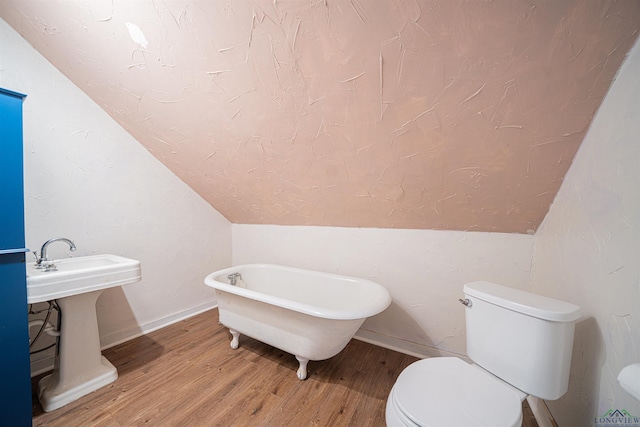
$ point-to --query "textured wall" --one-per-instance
(424, 270)
(87, 179)
(587, 252)
(461, 115)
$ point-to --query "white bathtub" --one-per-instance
(309, 314)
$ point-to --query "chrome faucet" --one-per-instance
(233, 278)
(43, 260)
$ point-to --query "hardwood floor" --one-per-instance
(187, 375)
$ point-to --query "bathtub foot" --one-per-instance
(302, 370)
(235, 341)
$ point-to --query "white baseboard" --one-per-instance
(45, 364)
(541, 412)
(115, 338)
(41, 366)
(420, 351)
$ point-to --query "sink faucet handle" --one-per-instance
(49, 265)
(38, 259)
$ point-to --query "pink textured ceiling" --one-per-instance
(439, 114)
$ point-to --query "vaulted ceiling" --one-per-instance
(440, 114)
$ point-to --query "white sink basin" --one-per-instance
(80, 275)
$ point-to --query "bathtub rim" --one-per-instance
(376, 306)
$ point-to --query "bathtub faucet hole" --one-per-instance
(234, 278)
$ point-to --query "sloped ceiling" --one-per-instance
(442, 114)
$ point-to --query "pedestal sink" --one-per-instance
(79, 366)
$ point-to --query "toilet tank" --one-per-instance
(523, 338)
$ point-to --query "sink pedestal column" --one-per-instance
(79, 365)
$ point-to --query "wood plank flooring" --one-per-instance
(187, 375)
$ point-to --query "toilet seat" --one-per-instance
(446, 391)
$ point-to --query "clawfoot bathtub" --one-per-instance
(309, 314)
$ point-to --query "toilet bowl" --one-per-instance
(520, 343)
(447, 391)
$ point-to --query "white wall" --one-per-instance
(424, 270)
(87, 179)
(587, 251)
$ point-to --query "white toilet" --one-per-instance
(521, 344)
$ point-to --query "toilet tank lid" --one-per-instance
(523, 302)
